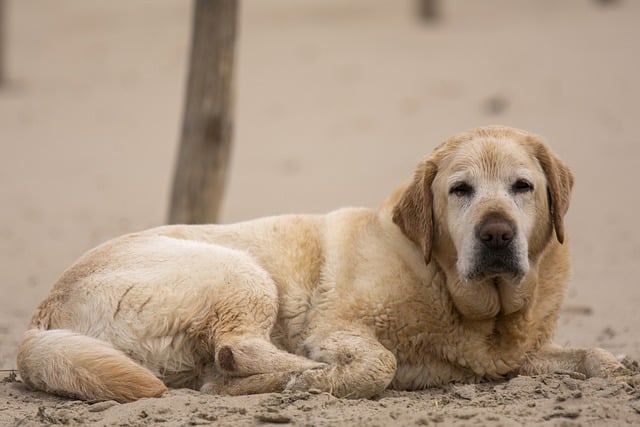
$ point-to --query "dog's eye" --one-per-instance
(461, 189)
(522, 186)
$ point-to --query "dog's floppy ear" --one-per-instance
(559, 185)
(413, 213)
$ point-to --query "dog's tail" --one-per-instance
(75, 365)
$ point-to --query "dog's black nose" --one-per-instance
(495, 233)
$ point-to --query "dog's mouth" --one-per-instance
(498, 268)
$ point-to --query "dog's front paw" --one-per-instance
(600, 363)
(491, 365)
(338, 381)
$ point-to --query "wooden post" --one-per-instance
(205, 144)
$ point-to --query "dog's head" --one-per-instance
(486, 203)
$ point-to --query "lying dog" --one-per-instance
(458, 276)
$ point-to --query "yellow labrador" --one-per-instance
(458, 276)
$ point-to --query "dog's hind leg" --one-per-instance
(345, 363)
(239, 326)
(273, 382)
(248, 354)
(246, 364)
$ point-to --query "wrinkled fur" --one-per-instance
(351, 302)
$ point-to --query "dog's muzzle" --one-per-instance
(496, 249)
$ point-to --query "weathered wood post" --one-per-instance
(205, 143)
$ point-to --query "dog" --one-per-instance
(458, 276)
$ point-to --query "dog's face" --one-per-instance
(487, 195)
(485, 204)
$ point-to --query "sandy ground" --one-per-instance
(336, 101)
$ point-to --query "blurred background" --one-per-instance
(336, 101)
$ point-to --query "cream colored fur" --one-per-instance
(406, 296)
